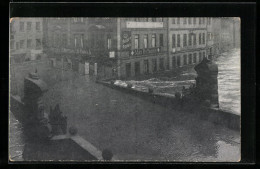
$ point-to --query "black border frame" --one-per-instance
(247, 13)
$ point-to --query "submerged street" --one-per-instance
(132, 128)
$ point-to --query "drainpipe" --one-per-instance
(206, 38)
(118, 47)
(167, 40)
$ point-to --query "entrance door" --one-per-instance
(173, 62)
(146, 66)
(137, 68)
(161, 63)
(128, 69)
(178, 61)
(154, 61)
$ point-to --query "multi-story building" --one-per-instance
(26, 36)
(226, 34)
(65, 40)
(142, 46)
(187, 41)
(128, 47)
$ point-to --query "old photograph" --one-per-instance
(164, 89)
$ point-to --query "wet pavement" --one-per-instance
(132, 128)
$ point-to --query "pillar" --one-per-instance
(95, 69)
(86, 68)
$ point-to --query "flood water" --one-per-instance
(228, 81)
(135, 129)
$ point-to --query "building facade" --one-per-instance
(129, 47)
(142, 46)
(26, 35)
(187, 41)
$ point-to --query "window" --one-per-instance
(173, 61)
(81, 40)
(184, 40)
(161, 39)
(173, 41)
(64, 40)
(194, 57)
(161, 63)
(203, 38)
(184, 59)
(38, 26)
(200, 57)
(17, 45)
(203, 20)
(146, 66)
(56, 40)
(178, 61)
(184, 20)
(190, 39)
(204, 54)
(195, 39)
(200, 21)
(153, 41)
(12, 45)
(173, 20)
(153, 19)
(189, 20)
(136, 42)
(29, 26)
(194, 21)
(209, 21)
(21, 26)
(145, 41)
(154, 61)
(128, 69)
(137, 68)
(190, 58)
(200, 39)
(29, 43)
(21, 44)
(160, 19)
(78, 19)
(109, 42)
(178, 20)
(178, 40)
(167, 64)
(38, 43)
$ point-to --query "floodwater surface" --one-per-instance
(132, 128)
